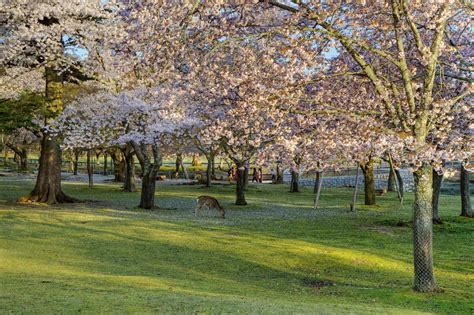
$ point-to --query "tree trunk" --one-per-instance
(369, 182)
(279, 179)
(48, 182)
(294, 184)
(129, 183)
(316, 182)
(401, 188)
(423, 230)
(246, 176)
(147, 198)
(319, 180)
(21, 156)
(391, 184)
(118, 166)
(105, 164)
(208, 171)
(149, 172)
(213, 161)
(437, 181)
(466, 208)
(354, 195)
(178, 163)
(240, 196)
(75, 162)
(90, 168)
(24, 161)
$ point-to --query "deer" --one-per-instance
(211, 203)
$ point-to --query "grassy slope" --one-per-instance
(274, 256)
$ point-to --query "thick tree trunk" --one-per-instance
(90, 168)
(437, 181)
(129, 181)
(369, 182)
(423, 230)
(147, 198)
(149, 172)
(48, 182)
(118, 166)
(295, 180)
(466, 208)
(240, 191)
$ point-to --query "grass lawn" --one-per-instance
(276, 255)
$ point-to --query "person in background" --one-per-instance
(274, 175)
(255, 175)
(260, 175)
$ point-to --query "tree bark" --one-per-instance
(213, 161)
(105, 164)
(90, 168)
(208, 171)
(75, 162)
(48, 182)
(246, 176)
(354, 195)
(294, 184)
(178, 163)
(391, 185)
(240, 192)
(129, 180)
(24, 161)
(369, 182)
(316, 182)
(401, 188)
(466, 208)
(21, 157)
(279, 179)
(437, 181)
(423, 230)
(318, 189)
(118, 166)
(147, 198)
(149, 172)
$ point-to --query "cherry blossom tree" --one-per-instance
(406, 50)
(44, 44)
(144, 119)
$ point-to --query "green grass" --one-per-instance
(276, 255)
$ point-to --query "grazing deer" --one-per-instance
(210, 202)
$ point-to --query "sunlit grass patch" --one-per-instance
(276, 255)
